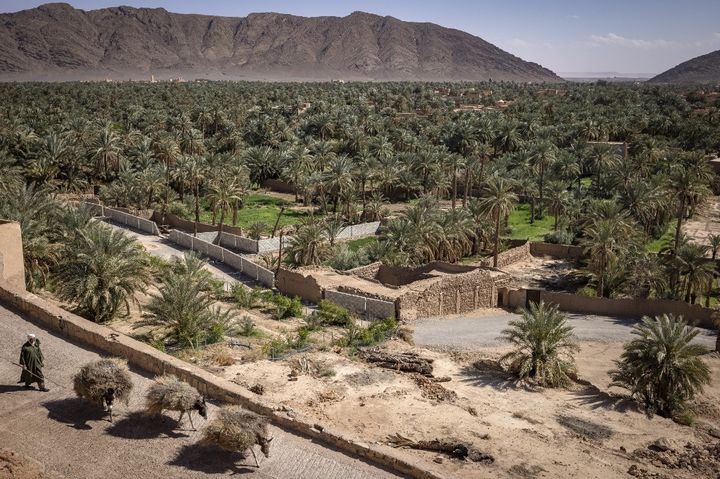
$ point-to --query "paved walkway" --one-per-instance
(484, 330)
(163, 248)
(74, 439)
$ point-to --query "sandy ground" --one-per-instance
(74, 439)
(587, 431)
(704, 222)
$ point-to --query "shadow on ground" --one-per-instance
(138, 425)
(11, 388)
(488, 372)
(213, 460)
(75, 412)
(595, 398)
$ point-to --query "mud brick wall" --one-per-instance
(295, 283)
(511, 256)
(450, 295)
(368, 272)
(559, 251)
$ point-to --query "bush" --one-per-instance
(344, 258)
(247, 327)
(330, 314)
(377, 332)
(559, 237)
(543, 346)
(661, 368)
(246, 298)
(286, 307)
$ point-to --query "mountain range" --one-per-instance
(702, 69)
(59, 42)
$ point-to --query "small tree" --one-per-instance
(544, 346)
(661, 368)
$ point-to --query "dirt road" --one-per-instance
(74, 439)
(484, 329)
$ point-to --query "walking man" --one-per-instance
(31, 360)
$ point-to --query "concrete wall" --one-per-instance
(559, 251)
(234, 260)
(294, 283)
(153, 361)
(124, 218)
(703, 317)
(368, 308)
(12, 263)
(359, 230)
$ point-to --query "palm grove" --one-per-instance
(350, 150)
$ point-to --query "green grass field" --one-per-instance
(259, 208)
(519, 221)
(654, 246)
(354, 245)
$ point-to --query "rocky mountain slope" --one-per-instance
(57, 41)
(702, 69)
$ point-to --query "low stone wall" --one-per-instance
(242, 265)
(295, 283)
(368, 272)
(510, 256)
(151, 360)
(124, 218)
(559, 251)
(632, 308)
(368, 308)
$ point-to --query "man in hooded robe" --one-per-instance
(31, 360)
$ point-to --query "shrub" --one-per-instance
(543, 346)
(256, 230)
(559, 237)
(343, 258)
(247, 327)
(330, 314)
(286, 307)
(377, 332)
(661, 368)
(246, 298)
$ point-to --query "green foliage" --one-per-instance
(285, 307)
(559, 237)
(330, 314)
(185, 308)
(521, 228)
(100, 272)
(281, 346)
(245, 297)
(543, 346)
(247, 327)
(343, 258)
(378, 331)
(661, 367)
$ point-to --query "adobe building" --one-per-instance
(12, 266)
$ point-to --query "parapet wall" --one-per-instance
(151, 360)
(12, 264)
(371, 308)
(295, 283)
(560, 251)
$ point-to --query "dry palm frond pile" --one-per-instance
(237, 430)
(169, 393)
(95, 378)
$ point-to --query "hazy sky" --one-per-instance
(627, 36)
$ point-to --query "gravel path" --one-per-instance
(476, 331)
(74, 439)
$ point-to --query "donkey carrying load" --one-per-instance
(171, 394)
(237, 430)
(103, 381)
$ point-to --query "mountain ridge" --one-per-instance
(58, 41)
(701, 69)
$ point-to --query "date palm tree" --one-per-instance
(309, 246)
(603, 243)
(101, 271)
(498, 200)
(224, 193)
(662, 367)
(543, 346)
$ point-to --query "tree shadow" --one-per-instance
(585, 428)
(595, 398)
(211, 459)
(488, 372)
(75, 412)
(138, 425)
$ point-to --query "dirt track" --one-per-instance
(74, 439)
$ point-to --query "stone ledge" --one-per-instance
(152, 360)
